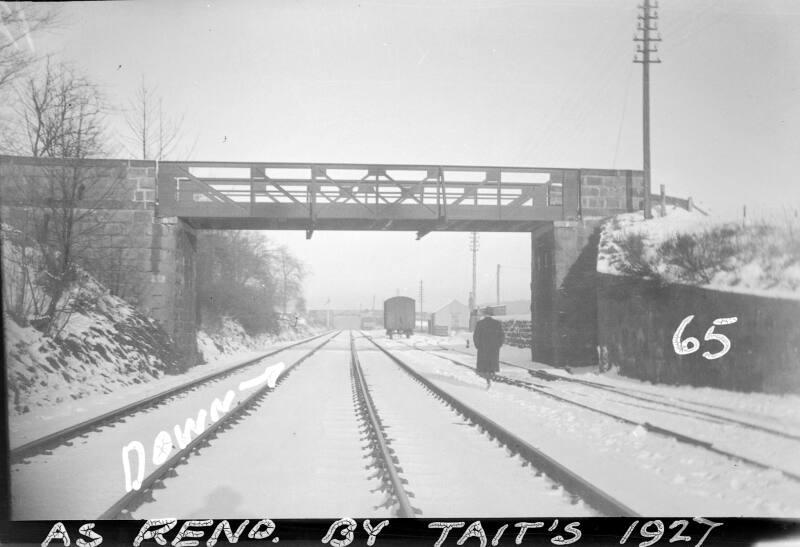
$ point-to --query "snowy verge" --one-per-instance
(688, 248)
(105, 345)
(779, 411)
(44, 421)
(230, 339)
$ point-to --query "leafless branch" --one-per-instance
(152, 134)
(61, 115)
(18, 23)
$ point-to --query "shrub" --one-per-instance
(700, 255)
(635, 261)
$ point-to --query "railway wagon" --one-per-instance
(398, 315)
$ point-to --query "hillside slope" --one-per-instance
(688, 248)
(105, 345)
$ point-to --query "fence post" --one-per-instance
(689, 204)
(663, 201)
(629, 191)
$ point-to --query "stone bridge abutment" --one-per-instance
(146, 259)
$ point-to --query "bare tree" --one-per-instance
(22, 297)
(235, 279)
(18, 22)
(61, 115)
(152, 134)
(290, 272)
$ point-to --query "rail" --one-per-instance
(572, 482)
(59, 437)
(136, 497)
(405, 509)
(665, 432)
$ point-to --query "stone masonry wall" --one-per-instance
(637, 320)
(604, 194)
(517, 332)
(542, 294)
(563, 295)
(147, 260)
(155, 259)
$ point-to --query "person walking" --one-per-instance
(488, 337)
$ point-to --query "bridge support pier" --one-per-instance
(170, 296)
(563, 297)
(156, 258)
(147, 259)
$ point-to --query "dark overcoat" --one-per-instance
(488, 338)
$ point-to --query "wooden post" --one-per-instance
(663, 201)
(629, 191)
(689, 204)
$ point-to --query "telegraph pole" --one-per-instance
(648, 23)
(473, 246)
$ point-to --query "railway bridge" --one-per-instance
(148, 214)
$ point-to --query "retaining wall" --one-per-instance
(517, 331)
(637, 320)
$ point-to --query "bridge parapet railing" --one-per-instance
(241, 189)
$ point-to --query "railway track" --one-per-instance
(135, 498)
(87, 458)
(371, 459)
(47, 442)
(302, 451)
(644, 396)
(575, 488)
(543, 390)
(355, 430)
(385, 462)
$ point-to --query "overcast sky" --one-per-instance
(506, 82)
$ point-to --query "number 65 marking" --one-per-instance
(691, 344)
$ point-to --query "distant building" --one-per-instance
(452, 317)
(346, 319)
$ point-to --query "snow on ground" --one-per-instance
(452, 468)
(618, 455)
(43, 486)
(760, 258)
(104, 346)
(45, 420)
(298, 454)
(106, 356)
(230, 338)
(779, 411)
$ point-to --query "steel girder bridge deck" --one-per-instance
(316, 196)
